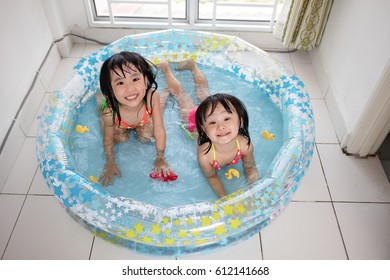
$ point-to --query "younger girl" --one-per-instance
(127, 81)
(221, 124)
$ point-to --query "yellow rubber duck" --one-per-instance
(81, 129)
(232, 172)
(93, 179)
(268, 136)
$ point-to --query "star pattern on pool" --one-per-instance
(127, 222)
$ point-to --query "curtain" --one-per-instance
(301, 23)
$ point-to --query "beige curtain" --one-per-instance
(302, 22)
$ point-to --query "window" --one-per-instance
(202, 14)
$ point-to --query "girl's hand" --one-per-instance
(110, 169)
(162, 166)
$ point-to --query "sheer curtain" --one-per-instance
(301, 23)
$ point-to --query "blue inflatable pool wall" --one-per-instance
(189, 228)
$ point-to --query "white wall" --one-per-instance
(353, 52)
(25, 40)
(74, 13)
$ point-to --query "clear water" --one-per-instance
(136, 160)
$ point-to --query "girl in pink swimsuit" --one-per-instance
(127, 81)
(220, 123)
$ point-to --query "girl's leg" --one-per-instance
(164, 98)
(186, 104)
(202, 90)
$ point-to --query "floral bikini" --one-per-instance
(144, 120)
(123, 124)
(236, 159)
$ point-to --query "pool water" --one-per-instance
(135, 160)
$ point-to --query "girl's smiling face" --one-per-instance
(221, 126)
(128, 86)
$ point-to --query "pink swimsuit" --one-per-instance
(236, 159)
(191, 120)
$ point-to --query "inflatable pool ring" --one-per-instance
(189, 228)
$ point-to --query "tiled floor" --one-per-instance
(340, 211)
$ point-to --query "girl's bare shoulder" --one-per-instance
(202, 152)
(152, 98)
(244, 144)
(204, 159)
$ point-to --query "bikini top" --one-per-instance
(144, 120)
(236, 159)
(125, 125)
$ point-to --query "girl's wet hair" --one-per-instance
(230, 103)
(118, 63)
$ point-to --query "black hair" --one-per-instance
(118, 62)
(229, 102)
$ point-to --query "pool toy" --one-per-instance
(187, 131)
(232, 172)
(81, 129)
(93, 179)
(268, 136)
(159, 176)
(183, 228)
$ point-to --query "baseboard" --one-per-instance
(330, 96)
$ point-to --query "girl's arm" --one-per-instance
(159, 135)
(249, 164)
(110, 168)
(210, 173)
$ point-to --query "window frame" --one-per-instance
(191, 21)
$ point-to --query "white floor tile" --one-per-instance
(299, 57)
(32, 132)
(325, 132)
(91, 48)
(39, 185)
(62, 74)
(33, 102)
(10, 206)
(104, 250)
(304, 231)
(22, 173)
(313, 186)
(353, 179)
(285, 60)
(45, 231)
(366, 230)
(249, 249)
(77, 50)
(289, 67)
(306, 73)
(281, 57)
(10, 153)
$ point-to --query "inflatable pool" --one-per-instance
(188, 226)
